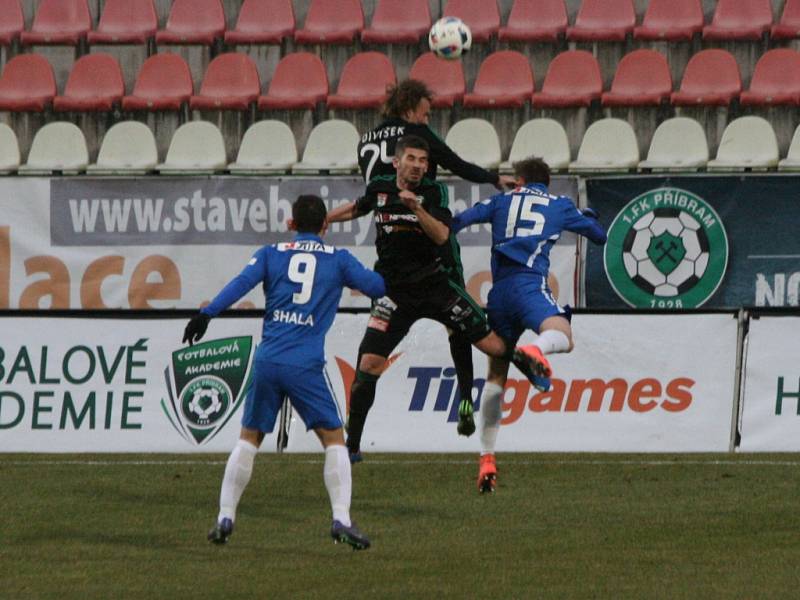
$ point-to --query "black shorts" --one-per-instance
(437, 298)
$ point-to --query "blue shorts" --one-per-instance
(307, 390)
(519, 303)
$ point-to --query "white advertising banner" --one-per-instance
(770, 420)
(163, 242)
(633, 384)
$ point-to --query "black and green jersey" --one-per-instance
(405, 253)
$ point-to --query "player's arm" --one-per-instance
(583, 222)
(435, 229)
(358, 277)
(480, 213)
(353, 210)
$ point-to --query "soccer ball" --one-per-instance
(449, 38)
(666, 252)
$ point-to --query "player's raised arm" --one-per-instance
(583, 222)
(358, 277)
(435, 229)
(480, 213)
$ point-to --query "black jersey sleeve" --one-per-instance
(365, 203)
(443, 155)
(436, 203)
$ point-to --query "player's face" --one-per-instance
(421, 113)
(412, 165)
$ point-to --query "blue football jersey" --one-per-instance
(302, 282)
(526, 222)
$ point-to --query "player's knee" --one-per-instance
(371, 364)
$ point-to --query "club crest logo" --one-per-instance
(666, 249)
(206, 384)
(382, 199)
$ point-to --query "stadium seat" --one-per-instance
(196, 147)
(363, 82)
(711, 79)
(573, 79)
(642, 78)
(494, 88)
(678, 144)
(789, 26)
(482, 17)
(231, 83)
(671, 21)
(125, 22)
(607, 145)
(95, 84)
(545, 138)
(263, 22)
(27, 83)
(747, 142)
(739, 20)
(59, 22)
(193, 22)
(603, 21)
(476, 141)
(776, 79)
(445, 78)
(398, 22)
(331, 22)
(164, 83)
(332, 146)
(790, 163)
(57, 146)
(267, 147)
(9, 150)
(12, 21)
(535, 21)
(128, 148)
(300, 81)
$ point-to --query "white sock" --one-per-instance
(490, 416)
(237, 475)
(338, 481)
(552, 341)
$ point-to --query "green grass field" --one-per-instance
(559, 526)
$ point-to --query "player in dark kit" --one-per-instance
(413, 222)
(406, 112)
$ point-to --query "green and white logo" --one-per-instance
(666, 249)
(209, 384)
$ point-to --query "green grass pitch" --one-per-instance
(559, 526)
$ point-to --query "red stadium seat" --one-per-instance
(231, 83)
(125, 22)
(670, 20)
(193, 22)
(603, 21)
(331, 22)
(164, 83)
(573, 79)
(445, 78)
(27, 83)
(481, 16)
(263, 22)
(12, 21)
(364, 80)
(505, 80)
(642, 78)
(300, 81)
(711, 79)
(398, 22)
(59, 22)
(95, 84)
(789, 25)
(776, 79)
(535, 21)
(739, 20)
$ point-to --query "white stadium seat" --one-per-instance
(476, 141)
(792, 160)
(267, 147)
(607, 145)
(544, 138)
(196, 147)
(9, 150)
(332, 146)
(747, 143)
(128, 148)
(679, 144)
(58, 146)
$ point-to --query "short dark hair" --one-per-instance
(308, 213)
(404, 97)
(532, 170)
(411, 141)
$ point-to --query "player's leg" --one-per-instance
(461, 352)
(491, 414)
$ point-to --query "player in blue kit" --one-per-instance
(302, 281)
(526, 222)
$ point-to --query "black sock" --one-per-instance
(461, 351)
(362, 395)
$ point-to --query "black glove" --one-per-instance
(196, 328)
(591, 213)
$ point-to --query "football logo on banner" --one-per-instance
(666, 249)
(209, 383)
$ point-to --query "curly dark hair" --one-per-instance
(533, 170)
(404, 97)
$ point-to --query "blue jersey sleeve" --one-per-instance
(357, 276)
(480, 213)
(254, 273)
(577, 222)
